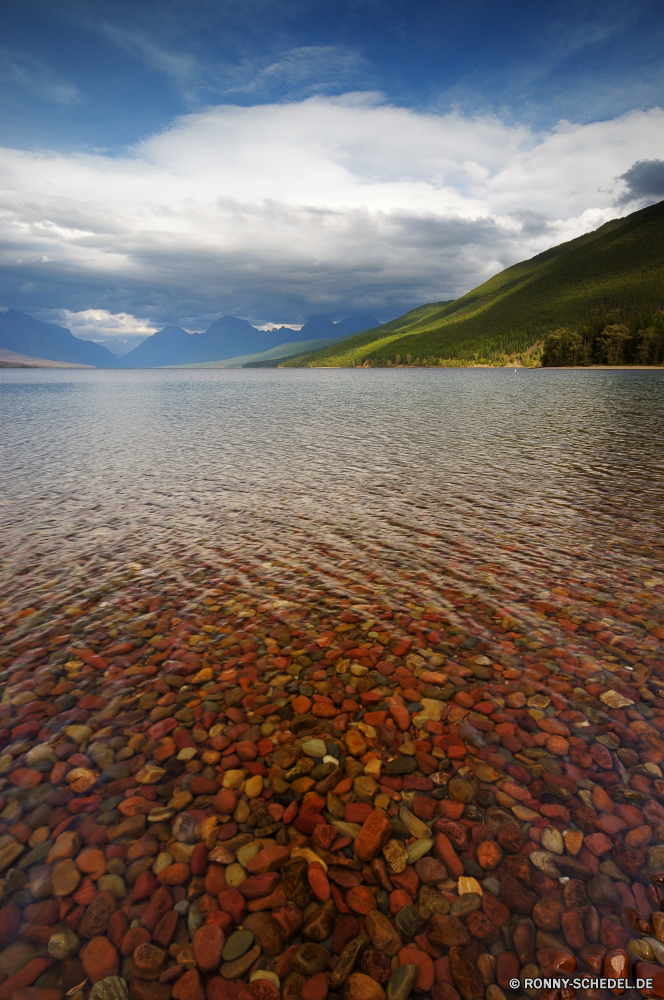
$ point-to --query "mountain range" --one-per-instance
(614, 274)
(24, 335)
(227, 337)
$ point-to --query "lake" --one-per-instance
(335, 475)
(444, 588)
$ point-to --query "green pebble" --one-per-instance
(314, 748)
(237, 945)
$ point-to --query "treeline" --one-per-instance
(499, 358)
(608, 340)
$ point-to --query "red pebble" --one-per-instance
(189, 986)
(231, 901)
(144, 887)
(224, 989)
(316, 988)
(290, 813)
(117, 928)
(199, 862)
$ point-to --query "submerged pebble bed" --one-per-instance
(209, 790)
(392, 748)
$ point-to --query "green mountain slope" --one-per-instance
(274, 354)
(618, 269)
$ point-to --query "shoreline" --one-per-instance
(579, 368)
(70, 366)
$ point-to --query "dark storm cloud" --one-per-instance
(644, 180)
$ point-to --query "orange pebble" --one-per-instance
(175, 874)
(410, 955)
(489, 854)
(360, 899)
(318, 881)
(398, 899)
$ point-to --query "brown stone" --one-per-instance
(348, 958)
(266, 932)
(238, 967)
(261, 989)
(92, 862)
(481, 928)
(383, 935)
(96, 917)
(294, 880)
(65, 877)
(447, 930)
(572, 928)
(496, 911)
(376, 964)
(507, 967)
(100, 959)
(547, 913)
(361, 987)
(288, 920)
(576, 896)
(465, 974)
(430, 871)
(310, 958)
(148, 960)
(148, 989)
(510, 838)
(516, 896)
(523, 939)
(629, 859)
(319, 925)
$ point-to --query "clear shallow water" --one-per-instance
(400, 486)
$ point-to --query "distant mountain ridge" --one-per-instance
(24, 335)
(228, 337)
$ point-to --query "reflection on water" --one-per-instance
(403, 484)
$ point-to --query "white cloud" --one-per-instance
(98, 323)
(266, 327)
(274, 212)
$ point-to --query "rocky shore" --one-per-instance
(209, 795)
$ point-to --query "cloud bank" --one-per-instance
(326, 205)
(644, 181)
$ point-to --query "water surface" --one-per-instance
(406, 487)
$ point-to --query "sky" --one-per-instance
(173, 161)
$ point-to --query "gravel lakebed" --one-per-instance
(217, 786)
